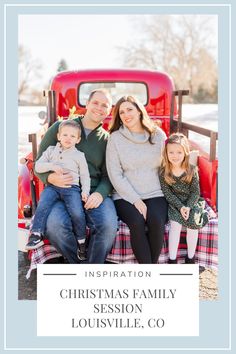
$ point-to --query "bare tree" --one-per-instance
(62, 65)
(29, 70)
(183, 46)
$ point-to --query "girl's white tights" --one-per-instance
(174, 236)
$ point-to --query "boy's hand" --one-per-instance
(84, 197)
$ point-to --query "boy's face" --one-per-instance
(68, 137)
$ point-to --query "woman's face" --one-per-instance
(130, 116)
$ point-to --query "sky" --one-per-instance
(84, 41)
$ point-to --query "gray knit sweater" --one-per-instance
(132, 164)
(71, 160)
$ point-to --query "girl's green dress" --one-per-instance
(186, 194)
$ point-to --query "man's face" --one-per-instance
(98, 107)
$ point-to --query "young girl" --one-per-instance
(180, 185)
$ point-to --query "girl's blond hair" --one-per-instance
(166, 167)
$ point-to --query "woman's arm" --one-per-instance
(116, 173)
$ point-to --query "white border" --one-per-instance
(5, 174)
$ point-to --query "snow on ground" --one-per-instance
(202, 115)
(28, 123)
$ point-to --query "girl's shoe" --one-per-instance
(189, 260)
(172, 261)
(192, 261)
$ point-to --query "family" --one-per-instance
(134, 173)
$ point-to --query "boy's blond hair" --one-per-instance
(69, 123)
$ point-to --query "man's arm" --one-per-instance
(84, 174)
(49, 139)
(104, 187)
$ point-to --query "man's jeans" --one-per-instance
(102, 222)
(72, 199)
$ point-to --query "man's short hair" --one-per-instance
(102, 90)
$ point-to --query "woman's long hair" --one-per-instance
(166, 166)
(145, 120)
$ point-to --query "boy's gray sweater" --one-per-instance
(71, 160)
(132, 164)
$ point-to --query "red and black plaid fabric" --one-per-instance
(206, 253)
(121, 252)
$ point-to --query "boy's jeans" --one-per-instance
(102, 222)
(72, 201)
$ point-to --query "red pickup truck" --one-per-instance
(67, 97)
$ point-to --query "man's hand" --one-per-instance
(58, 169)
(61, 180)
(142, 208)
(93, 201)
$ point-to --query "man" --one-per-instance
(100, 212)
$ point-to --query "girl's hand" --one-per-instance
(187, 212)
(142, 208)
(184, 211)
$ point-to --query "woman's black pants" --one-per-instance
(146, 245)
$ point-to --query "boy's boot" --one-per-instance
(81, 251)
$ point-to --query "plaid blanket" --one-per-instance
(121, 252)
(206, 252)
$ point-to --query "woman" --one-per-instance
(133, 156)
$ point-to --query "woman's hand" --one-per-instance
(142, 208)
(61, 180)
(93, 201)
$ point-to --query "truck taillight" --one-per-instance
(27, 211)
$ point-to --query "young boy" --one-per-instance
(63, 158)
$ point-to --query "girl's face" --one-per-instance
(130, 116)
(175, 154)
